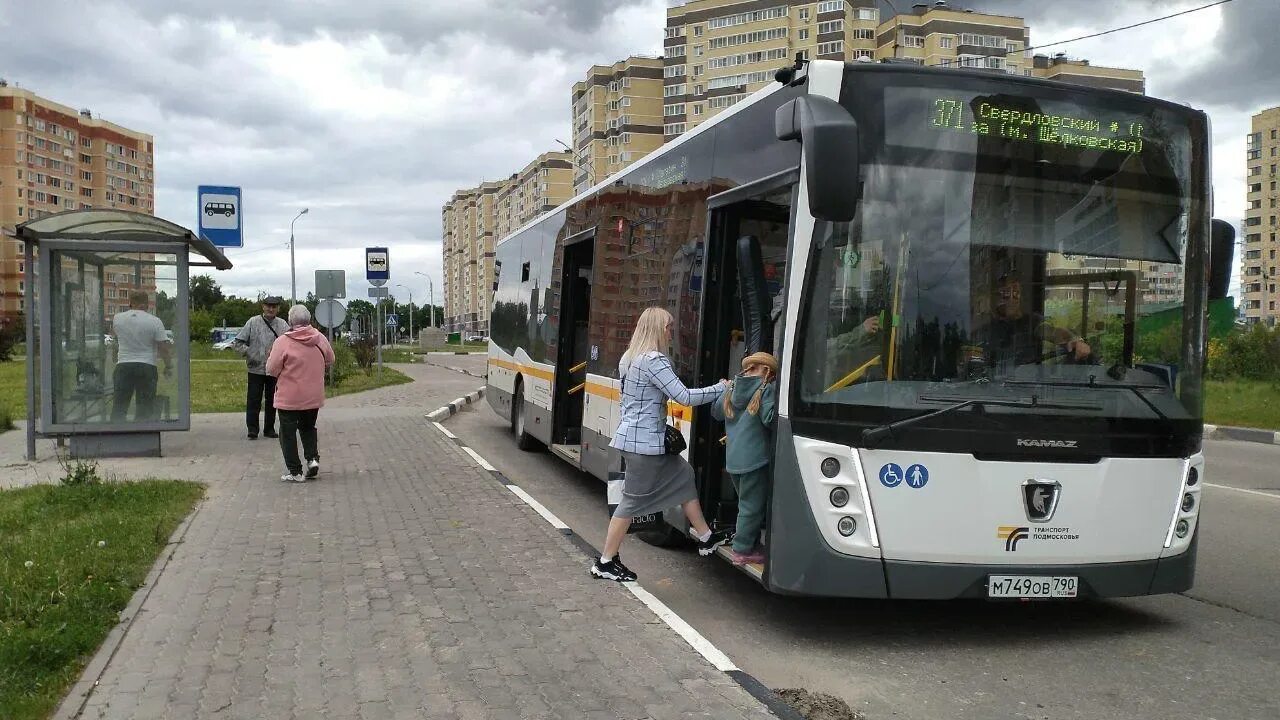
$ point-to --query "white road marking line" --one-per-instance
(538, 507)
(483, 463)
(683, 629)
(1273, 496)
(445, 430)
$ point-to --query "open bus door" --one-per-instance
(573, 347)
(746, 262)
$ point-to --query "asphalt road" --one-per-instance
(1213, 653)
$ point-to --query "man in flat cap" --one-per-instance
(254, 343)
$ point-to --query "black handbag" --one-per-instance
(673, 440)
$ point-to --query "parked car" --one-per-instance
(224, 344)
(477, 338)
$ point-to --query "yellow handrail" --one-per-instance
(577, 389)
(853, 376)
(578, 367)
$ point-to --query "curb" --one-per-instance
(456, 406)
(1240, 434)
(78, 696)
(455, 369)
(762, 693)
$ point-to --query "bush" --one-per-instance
(6, 418)
(13, 332)
(344, 364)
(366, 351)
(1253, 354)
(201, 325)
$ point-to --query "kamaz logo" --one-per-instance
(1046, 443)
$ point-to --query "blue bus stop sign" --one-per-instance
(221, 216)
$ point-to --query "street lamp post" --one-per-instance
(431, 297)
(591, 176)
(293, 273)
(410, 312)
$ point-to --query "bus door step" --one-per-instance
(570, 453)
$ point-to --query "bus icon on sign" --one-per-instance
(216, 208)
(377, 262)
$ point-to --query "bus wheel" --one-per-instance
(524, 440)
(667, 537)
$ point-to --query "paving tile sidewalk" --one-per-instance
(405, 583)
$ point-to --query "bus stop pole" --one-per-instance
(378, 319)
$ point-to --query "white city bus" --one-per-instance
(988, 295)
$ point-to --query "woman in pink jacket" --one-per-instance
(297, 361)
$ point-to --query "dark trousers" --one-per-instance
(294, 423)
(134, 381)
(260, 386)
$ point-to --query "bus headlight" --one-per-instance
(1188, 502)
(839, 497)
(847, 526)
(1182, 528)
(831, 468)
(1193, 477)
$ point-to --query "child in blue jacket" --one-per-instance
(747, 410)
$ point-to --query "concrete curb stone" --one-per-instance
(1240, 434)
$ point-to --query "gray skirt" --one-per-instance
(654, 483)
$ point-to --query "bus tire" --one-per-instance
(524, 440)
(667, 537)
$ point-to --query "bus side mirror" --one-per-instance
(1221, 251)
(829, 135)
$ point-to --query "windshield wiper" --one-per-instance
(1135, 389)
(872, 436)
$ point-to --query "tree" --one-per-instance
(201, 325)
(234, 311)
(205, 292)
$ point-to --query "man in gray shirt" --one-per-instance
(254, 343)
(140, 338)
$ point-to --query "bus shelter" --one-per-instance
(108, 357)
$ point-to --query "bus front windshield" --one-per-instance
(1008, 247)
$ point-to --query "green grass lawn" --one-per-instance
(71, 557)
(216, 386)
(1245, 403)
(221, 386)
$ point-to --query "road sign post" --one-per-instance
(220, 214)
(330, 313)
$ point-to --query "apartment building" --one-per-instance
(470, 223)
(717, 52)
(1081, 72)
(617, 117)
(944, 34)
(543, 184)
(475, 219)
(1260, 268)
(54, 158)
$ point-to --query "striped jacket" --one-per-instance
(646, 385)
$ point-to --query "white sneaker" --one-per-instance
(313, 468)
(290, 477)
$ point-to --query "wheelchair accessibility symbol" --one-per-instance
(891, 475)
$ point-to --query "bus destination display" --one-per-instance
(1067, 130)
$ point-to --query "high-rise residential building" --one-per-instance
(1260, 268)
(1081, 72)
(716, 52)
(542, 185)
(54, 158)
(470, 224)
(944, 34)
(617, 117)
(475, 219)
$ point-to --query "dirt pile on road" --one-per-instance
(818, 706)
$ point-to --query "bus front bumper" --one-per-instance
(942, 581)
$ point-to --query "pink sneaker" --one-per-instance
(755, 557)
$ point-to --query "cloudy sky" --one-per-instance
(372, 113)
